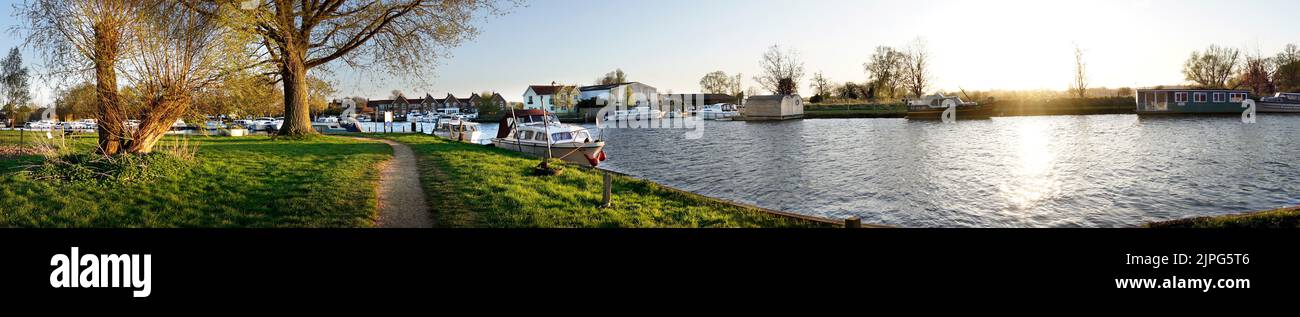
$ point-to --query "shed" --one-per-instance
(773, 107)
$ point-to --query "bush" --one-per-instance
(94, 168)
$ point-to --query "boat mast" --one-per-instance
(546, 126)
(514, 128)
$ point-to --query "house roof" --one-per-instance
(547, 89)
(378, 102)
(1187, 88)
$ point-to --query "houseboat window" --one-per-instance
(1199, 97)
(1218, 97)
(562, 136)
(1237, 97)
(524, 135)
(1180, 97)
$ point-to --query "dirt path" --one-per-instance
(401, 198)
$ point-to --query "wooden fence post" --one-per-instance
(606, 200)
(853, 222)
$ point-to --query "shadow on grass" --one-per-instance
(237, 182)
(472, 185)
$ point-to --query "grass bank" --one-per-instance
(252, 181)
(477, 186)
(1066, 106)
(1277, 218)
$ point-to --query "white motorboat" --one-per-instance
(85, 124)
(328, 119)
(719, 111)
(530, 131)
(1281, 102)
(265, 124)
(638, 113)
(459, 130)
(41, 125)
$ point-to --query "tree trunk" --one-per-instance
(297, 113)
(155, 123)
(109, 118)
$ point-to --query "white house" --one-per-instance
(539, 97)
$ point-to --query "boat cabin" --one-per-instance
(936, 101)
(1287, 97)
(1176, 100)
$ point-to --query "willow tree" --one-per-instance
(88, 38)
(179, 53)
(402, 36)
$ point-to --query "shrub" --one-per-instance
(94, 168)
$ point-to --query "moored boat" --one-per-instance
(721, 111)
(457, 129)
(636, 113)
(1282, 102)
(1190, 101)
(931, 107)
(530, 131)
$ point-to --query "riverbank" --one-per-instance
(849, 111)
(1066, 106)
(478, 186)
(251, 181)
(1278, 218)
(1003, 108)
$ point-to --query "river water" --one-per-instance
(1051, 171)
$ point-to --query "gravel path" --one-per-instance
(401, 198)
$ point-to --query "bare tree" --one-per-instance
(1287, 75)
(80, 36)
(885, 68)
(916, 68)
(1080, 85)
(821, 84)
(1213, 67)
(615, 77)
(782, 71)
(405, 36)
(717, 83)
(1257, 74)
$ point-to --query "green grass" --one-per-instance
(476, 186)
(1278, 218)
(234, 182)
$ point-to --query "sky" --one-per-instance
(976, 45)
